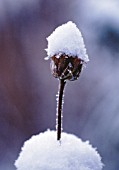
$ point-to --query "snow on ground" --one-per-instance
(44, 152)
(67, 39)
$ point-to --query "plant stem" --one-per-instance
(59, 108)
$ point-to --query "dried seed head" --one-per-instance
(67, 52)
(65, 67)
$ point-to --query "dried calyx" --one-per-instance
(65, 67)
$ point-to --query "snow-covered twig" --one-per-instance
(59, 108)
(67, 52)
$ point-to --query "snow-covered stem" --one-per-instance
(59, 108)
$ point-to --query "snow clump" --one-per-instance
(44, 152)
(67, 39)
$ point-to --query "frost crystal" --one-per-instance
(44, 152)
(67, 39)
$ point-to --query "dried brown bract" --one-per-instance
(65, 67)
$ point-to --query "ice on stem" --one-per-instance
(59, 110)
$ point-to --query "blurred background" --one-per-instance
(27, 88)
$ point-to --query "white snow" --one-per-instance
(67, 39)
(44, 152)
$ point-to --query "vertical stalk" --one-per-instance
(59, 108)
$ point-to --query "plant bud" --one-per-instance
(65, 67)
(67, 52)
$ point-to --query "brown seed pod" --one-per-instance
(65, 67)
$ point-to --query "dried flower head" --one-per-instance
(65, 67)
(67, 52)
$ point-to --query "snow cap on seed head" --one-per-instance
(67, 39)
